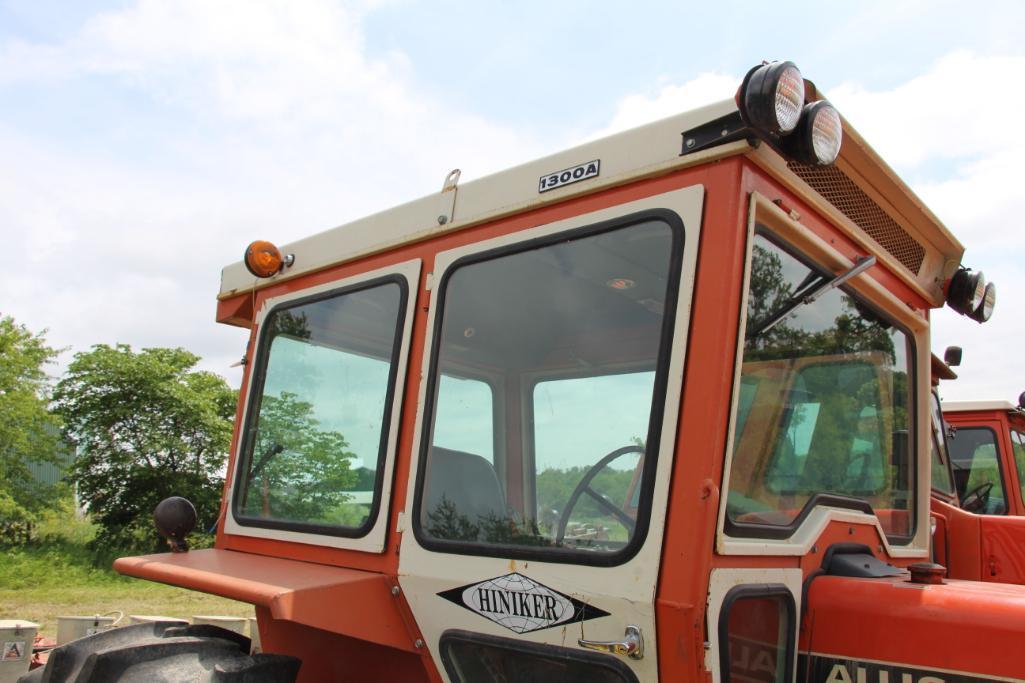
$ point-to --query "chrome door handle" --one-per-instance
(631, 646)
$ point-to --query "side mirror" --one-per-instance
(952, 356)
(1021, 400)
(175, 518)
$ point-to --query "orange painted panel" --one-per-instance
(346, 601)
(957, 626)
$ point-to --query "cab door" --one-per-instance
(533, 525)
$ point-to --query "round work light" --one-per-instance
(985, 309)
(967, 291)
(771, 97)
(263, 259)
(818, 136)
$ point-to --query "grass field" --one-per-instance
(56, 577)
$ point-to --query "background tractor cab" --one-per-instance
(987, 451)
(652, 408)
(978, 527)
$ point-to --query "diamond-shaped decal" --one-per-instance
(520, 604)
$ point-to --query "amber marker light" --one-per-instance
(263, 259)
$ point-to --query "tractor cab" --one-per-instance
(656, 407)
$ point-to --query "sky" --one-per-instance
(144, 143)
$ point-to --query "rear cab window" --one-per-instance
(825, 413)
(319, 411)
(573, 333)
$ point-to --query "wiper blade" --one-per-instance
(792, 304)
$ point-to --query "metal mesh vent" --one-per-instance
(843, 193)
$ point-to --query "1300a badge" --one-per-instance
(520, 603)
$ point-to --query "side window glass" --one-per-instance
(466, 416)
(974, 456)
(825, 404)
(580, 423)
(940, 471)
(1018, 443)
(319, 414)
(756, 635)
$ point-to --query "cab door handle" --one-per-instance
(631, 646)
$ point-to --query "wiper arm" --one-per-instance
(860, 266)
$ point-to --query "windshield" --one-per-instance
(823, 406)
(316, 425)
(566, 339)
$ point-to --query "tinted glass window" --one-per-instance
(1018, 443)
(575, 420)
(467, 420)
(824, 402)
(757, 632)
(975, 459)
(573, 331)
(317, 423)
(474, 658)
(942, 477)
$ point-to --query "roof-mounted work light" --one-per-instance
(264, 259)
(816, 140)
(771, 107)
(771, 97)
(969, 295)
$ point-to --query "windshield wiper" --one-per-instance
(795, 302)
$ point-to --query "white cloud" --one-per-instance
(256, 119)
(637, 109)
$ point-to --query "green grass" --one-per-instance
(56, 577)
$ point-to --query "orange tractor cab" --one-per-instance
(987, 452)
(977, 504)
(653, 408)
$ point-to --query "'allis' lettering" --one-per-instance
(841, 674)
(837, 670)
(532, 605)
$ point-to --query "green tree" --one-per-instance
(147, 426)
(28, 431)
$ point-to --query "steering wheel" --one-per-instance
(585, 487)
(976, 499)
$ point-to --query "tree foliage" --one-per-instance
(299, 471)
(28, 431)
(148, 426)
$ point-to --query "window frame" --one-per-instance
(999, 463)
(829, 246)
(371, 536)
(747, 530)
(753, 590)
(678, 234)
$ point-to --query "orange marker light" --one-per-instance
(263, 259)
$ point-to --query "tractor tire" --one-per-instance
(162, 652)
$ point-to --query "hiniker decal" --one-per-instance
(520, 604)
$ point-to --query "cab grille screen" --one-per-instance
(843, 193)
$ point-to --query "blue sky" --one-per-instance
(144, 143)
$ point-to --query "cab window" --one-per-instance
(942, 476)
(574, 334)
(1018, 444)
(976, 462)
(319, 409)
(824, 403)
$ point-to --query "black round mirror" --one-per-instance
(175, 518)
